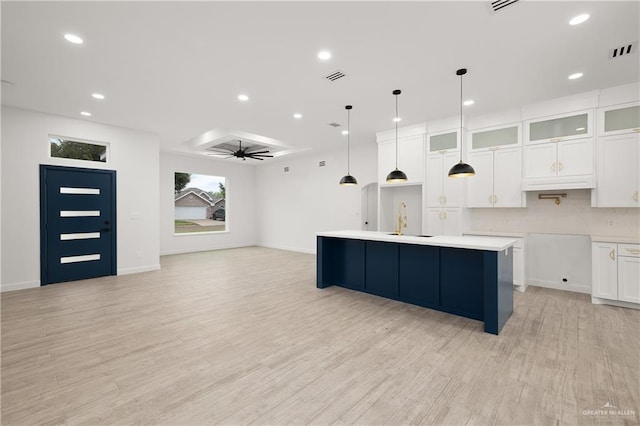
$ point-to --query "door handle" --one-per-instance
(107, 229)
(612, 254)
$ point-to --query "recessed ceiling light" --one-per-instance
(98, 95)
(468, 102)
(576, 75)
(73, 38)
(297, 115)
(324, 55)
(397, 119)
(85, 113)
(243, 97)
(7, 83)
(345, 132)
(579, 19)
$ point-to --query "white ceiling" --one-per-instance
(176, 68)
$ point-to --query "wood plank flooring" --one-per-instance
(243, 336)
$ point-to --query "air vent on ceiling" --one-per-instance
(623, 50)
(499, 4)
(336, 75)
(322, 163)
(334, 124)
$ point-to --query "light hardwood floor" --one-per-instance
(243, 336)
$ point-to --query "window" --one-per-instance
(199, 203)
(77, 150)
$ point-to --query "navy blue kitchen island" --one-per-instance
(469, 276)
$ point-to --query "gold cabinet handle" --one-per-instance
(494, 148)
(490, 199)
(445, 215)
(635, 196)
(440, 215)
(612, 254)
(555, 139)
(445, 199)
(636, 130)
(495, 199)
(553, 167)
(560, 167)
(633, 251)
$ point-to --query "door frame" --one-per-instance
(44, 168)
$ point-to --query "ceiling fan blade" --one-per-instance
(262, 155)
(221, 150)
(258, 152)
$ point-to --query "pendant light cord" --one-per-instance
(396, 120)
(348, 140)
(461, 132)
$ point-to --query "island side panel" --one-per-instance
(340, 261)
(498, 289)
(461, 284)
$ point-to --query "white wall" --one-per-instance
(574, 215)
(241, 212)
(25, 145)
(293, 206)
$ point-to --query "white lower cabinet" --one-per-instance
(616, 272)
(443, 222)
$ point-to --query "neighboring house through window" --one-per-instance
(199, 203)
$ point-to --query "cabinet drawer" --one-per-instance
(629, 250)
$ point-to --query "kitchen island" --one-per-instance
(469, 276)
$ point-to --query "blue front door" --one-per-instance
(77, 223)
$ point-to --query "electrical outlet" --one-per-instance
(564, 279)
(611, 223)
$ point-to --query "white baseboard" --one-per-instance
(287, 248)
(599, 301)
(19, 286)
(138, 269)
(556, 286)
(197, 250)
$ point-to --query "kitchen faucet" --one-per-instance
(401, 222)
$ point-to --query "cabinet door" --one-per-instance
(619, 119)
(434, 219)
(452, 222)
(433, 185)
(419, 274)
(386, 160)
(507, 178)
(480, 186)
(604, 270)
(411, 157)
(560, 127)
(381, 268)
(575, 157)
(618, 176)
(452, 188)
(540, 160)
(629, 279)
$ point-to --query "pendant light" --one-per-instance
(396, 175)
(348, 180)
(461, 169)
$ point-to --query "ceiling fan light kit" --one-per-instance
(461, 169)
(348, 180)
(396, 175)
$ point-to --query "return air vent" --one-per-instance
(334, 124)
(499, 4)
(336, 75)
(623, 50)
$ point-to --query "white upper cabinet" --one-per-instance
(618, 175)
(559, 152)
(619, 119)
(442, 154)
(496, 156)
(559, 128)
(410, 159)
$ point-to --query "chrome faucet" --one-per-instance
(402, 222)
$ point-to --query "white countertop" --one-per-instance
(472, 242)
(498, 234)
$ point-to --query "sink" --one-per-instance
(407, 235)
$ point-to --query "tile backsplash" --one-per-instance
(574, 215)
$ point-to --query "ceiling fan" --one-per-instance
(241, 153)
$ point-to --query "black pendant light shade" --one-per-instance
(461, 169)
(348, 180)
(396, 175)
